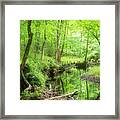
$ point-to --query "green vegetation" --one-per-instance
(60, 59)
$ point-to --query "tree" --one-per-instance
(30, 34)
(64, 38)
(59, 27)
(45, 38)
(87, 91)
(23, 82)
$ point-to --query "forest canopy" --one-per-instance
(60, 59)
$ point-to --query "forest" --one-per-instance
(59, 60)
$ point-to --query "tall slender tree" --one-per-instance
(87, 90)
(64, 38)
(23, 81)
(59, 28)
(45, 39)
(25, 56)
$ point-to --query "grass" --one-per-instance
(95, 71)
(70, 59)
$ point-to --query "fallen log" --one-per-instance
(62, 96)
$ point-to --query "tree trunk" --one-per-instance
(43, 45)
(65, 32)
(30, 34)
(87, 90)
(59, 27)
(86, 51)
(23, 82)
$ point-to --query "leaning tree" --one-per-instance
(23, 81)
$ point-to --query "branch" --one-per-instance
(69, 94)
(94, 35)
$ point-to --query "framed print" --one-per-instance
(60, 59)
